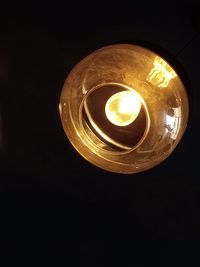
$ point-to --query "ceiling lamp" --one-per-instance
(124, 108)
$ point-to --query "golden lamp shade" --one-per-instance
(124, 108)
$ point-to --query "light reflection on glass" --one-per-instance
(161, 73)
(173, 122)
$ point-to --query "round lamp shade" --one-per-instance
(124, 108)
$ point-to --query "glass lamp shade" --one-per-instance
(124, 108)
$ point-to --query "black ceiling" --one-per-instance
(39, 45)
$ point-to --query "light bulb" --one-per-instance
(122, 108)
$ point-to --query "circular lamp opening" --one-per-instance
(116, 114)
(124, 108)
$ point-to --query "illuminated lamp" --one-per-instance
(124, 108)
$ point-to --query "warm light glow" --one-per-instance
(123, 108)
(161, 74)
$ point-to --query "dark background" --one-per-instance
(45, 186)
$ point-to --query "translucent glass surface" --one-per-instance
(124, 108)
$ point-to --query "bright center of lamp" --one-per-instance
(123, 108)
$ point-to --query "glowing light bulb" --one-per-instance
(123, 108)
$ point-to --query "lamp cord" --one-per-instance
(187, 44)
